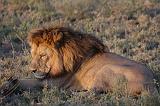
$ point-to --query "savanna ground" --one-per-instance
(130, 28)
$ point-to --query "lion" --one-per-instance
(79, 61)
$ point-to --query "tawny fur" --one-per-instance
(81, 62)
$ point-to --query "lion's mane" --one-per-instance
(72, 45)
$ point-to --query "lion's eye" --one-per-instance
(44, 57)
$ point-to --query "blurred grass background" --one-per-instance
(130, 28)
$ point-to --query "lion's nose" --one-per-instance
(32, 69)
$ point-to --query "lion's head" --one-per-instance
(58, 49)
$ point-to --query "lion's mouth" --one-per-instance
(40, 75)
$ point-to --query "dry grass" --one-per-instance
(128, 27)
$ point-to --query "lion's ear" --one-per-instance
(58, 38)
(35, 36)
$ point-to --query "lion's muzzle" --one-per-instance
(39, 75)
(39, 71)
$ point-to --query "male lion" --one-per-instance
(78, 61)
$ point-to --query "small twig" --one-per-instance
(13, 50)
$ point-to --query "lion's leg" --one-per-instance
(102, 80)
(98, 90)
(100, 86)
